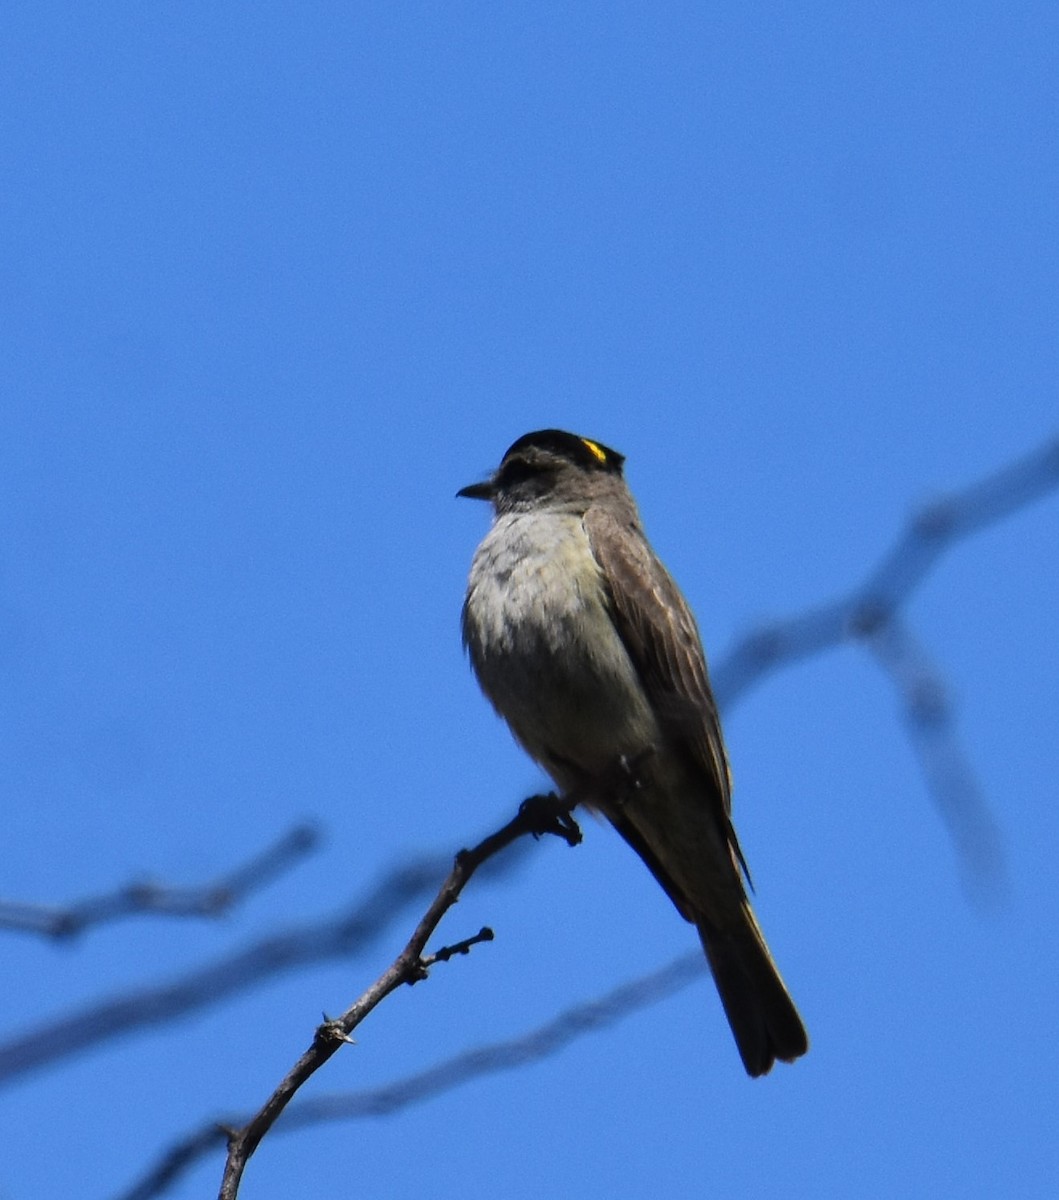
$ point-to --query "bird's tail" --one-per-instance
(764, 1021)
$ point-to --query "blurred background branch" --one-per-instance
(345, 933)
(874, 603)
(870, 614)
(148, 897)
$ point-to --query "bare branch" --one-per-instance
(485, 934)
(854, 614)
(537, 816)
(344, 934)
(144, 896)
(950, 779)
(539, 1043)
(869, 614)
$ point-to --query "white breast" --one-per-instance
(545, 649)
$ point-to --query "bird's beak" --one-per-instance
(478, 491)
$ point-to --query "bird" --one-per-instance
(584, 644)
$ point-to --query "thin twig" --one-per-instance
(537, 816)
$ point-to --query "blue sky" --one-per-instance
(277, 280)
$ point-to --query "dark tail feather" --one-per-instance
(760, 1011)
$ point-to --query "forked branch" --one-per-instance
(537, 816)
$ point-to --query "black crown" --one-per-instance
(584, 451)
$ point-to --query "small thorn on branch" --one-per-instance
(333, 1033)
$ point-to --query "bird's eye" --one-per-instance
(516, 471)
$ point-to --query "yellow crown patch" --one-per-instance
(597, 450)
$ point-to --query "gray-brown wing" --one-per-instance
(662, 639)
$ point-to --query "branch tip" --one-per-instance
(485, 934)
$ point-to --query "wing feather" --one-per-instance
(662, 639)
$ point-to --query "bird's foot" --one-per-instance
(552, 814)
